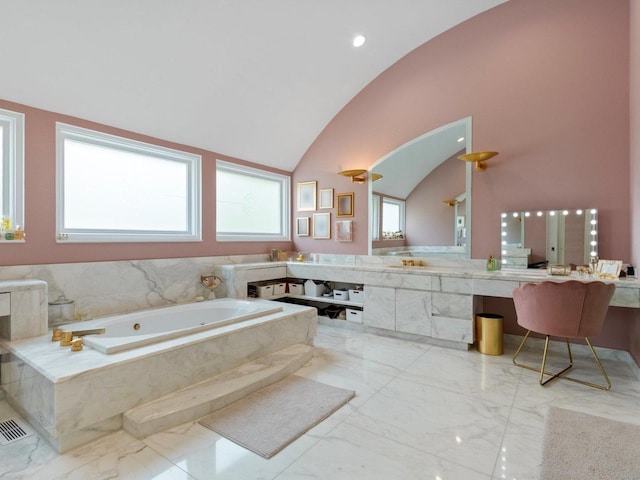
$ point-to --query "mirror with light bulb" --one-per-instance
(537, 238)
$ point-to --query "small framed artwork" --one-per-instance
(343, 231)
(326, 198)
(609, 269)
(306, 196)
(345, 204)
(322, 225)
(302, 226)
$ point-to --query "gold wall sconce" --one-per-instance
(451, 202)
(478, 159)
(359, 175)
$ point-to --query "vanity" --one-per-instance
(436, 303)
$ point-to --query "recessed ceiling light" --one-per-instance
(359, 40)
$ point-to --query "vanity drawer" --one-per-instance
(5, 304)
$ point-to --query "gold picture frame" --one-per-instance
(307, 196)
(609, 269)
(345, 204)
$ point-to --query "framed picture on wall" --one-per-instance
(344, 231)
(306, 196)
(322, 225)
(302, 226)
(326, 198)
(345, 204)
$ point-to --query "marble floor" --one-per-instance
(420, 412)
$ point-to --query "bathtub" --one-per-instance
(123, 332)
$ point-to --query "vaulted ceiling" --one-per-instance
(251, 79)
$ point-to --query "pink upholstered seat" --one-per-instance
(569, 309)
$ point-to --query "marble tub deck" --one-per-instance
(74, 397)
(420, 412)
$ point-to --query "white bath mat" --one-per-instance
(269, 419)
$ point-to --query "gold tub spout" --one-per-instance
(91, 331)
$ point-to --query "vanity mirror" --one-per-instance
(538, 238)
(426, 192)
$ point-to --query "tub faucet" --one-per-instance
(210, 281)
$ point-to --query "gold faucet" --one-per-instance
(210, 281)
(66, 338)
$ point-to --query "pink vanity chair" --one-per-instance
(569, 309)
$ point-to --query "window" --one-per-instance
(113, 189)
(392, 218)
(12, 167)
(251, 204)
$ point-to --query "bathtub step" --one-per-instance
(212, 394)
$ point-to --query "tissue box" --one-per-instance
(341, 294)
(296, 289)
(313, 289)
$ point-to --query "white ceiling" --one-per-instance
(252, 79)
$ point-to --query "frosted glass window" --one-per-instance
(116, 189)
(251, 204)
(12, 167)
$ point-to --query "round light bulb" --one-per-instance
(359, 40)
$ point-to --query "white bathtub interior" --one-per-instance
(132, 330)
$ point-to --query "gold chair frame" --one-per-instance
(560, 374)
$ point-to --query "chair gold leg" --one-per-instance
(560, 374)
(602, 371)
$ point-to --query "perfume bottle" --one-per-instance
(492, 263)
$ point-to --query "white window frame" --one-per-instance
(401, 205)
(285, 205)
(375, 217)
(12, 187)
(193, 232)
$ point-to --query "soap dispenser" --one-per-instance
(492, 263)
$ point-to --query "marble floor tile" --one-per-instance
(420, 412)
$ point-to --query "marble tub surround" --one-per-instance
(23, 308)
(73, 397)
(106, 288)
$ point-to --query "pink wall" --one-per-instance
(41, 247)
(429, 221)
(547, 85)
(635, 158)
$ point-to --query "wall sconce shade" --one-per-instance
(478, 159)
(451, 202)
(359, 175)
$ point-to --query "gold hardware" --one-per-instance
(478, 159)
(56, 335)
(210, 281)
(66, 339)
(76, 345)
(136, 326)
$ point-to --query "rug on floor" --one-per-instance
(269, 419)
(584, 447)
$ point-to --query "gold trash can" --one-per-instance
(489, 333)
